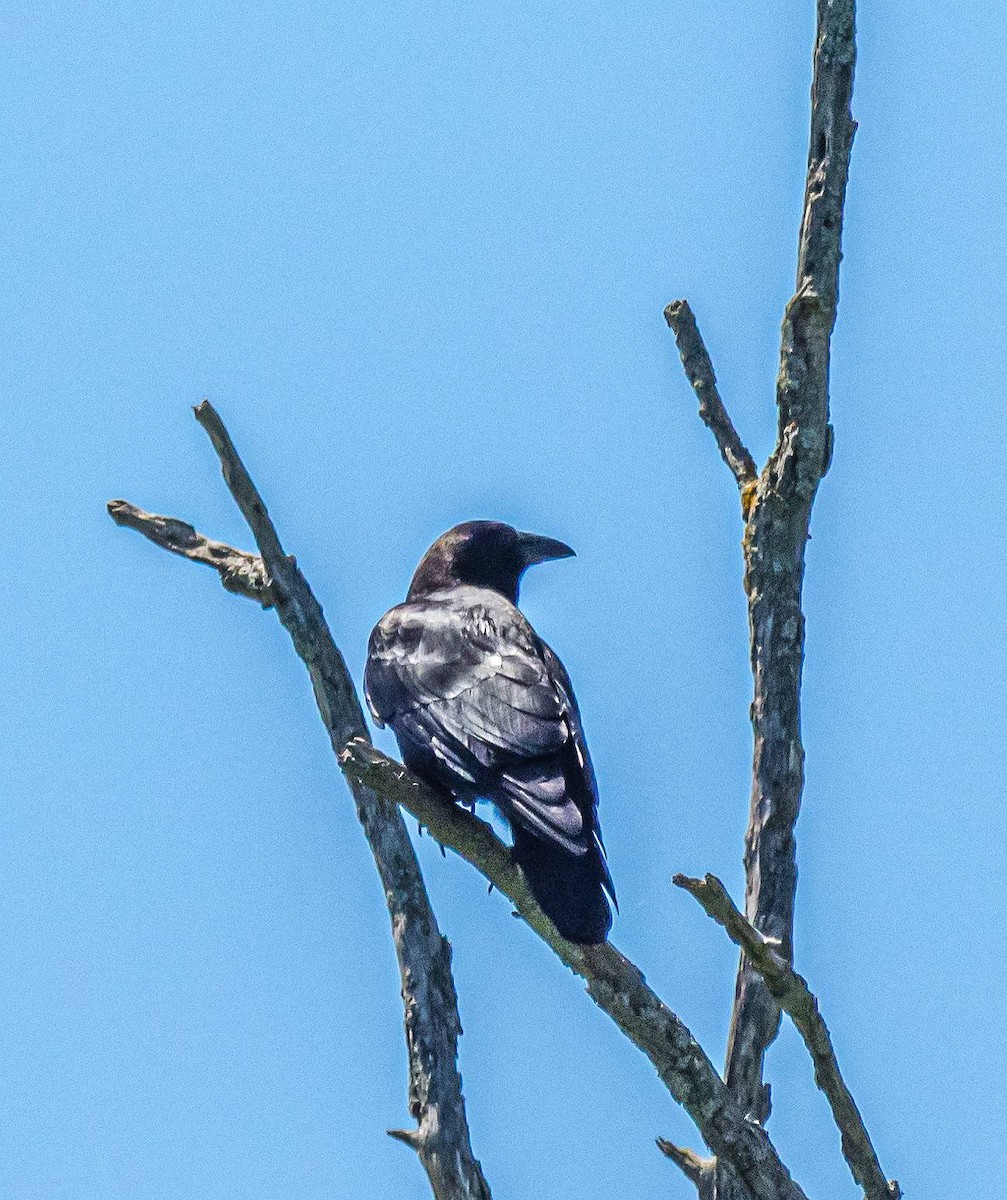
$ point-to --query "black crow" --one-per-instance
(481, 706)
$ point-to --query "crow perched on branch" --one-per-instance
(481, 706)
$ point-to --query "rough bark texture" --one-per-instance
(699, 371)
(777, 510)
(240, 572)
(775, 536)
(432, 1026)
(790, 990)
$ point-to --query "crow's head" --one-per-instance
(482, 554)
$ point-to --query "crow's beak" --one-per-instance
(535, 549)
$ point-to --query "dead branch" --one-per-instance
(699, 370)
(775, 537)
(699, 1171)
(613, 982)
(790, 990)
(432, 1025)
(777, 509)
(240, 572)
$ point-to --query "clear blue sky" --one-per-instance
(417, 255)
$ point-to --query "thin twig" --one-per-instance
(432, 1025)
(240, 572)
(699, 371)
(791, 992)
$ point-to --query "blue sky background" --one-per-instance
(417, 255)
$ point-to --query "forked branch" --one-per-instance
(775, 537)
(432, 1026)
(777, 509)
(613, 982)
(790, 990)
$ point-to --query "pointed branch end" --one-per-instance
(123, 513)
(699, 371)
(692, 1166)
(210, 419)
(701, 887)
(716, 901)
(411, 1137)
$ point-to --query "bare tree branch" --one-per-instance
(432, 1026)
(775, 537)
(615, 984)
(240, 572)
(699, 370)
(791, 992)
(777, 509)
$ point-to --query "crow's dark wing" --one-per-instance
(586, 780)
(461, 675)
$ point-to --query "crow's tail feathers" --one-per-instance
(569, 888)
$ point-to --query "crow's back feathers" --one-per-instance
(462, 675)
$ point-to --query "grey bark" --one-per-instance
(432, 1026)
(699, 371)
(777, 510)
(776, 504)
(775, 536)
(790, 990)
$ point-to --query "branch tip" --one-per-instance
(692, 1166)
(242, 489)
(699, 371)
(240, 572)
(411, 1137)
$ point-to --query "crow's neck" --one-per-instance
(436, 573)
